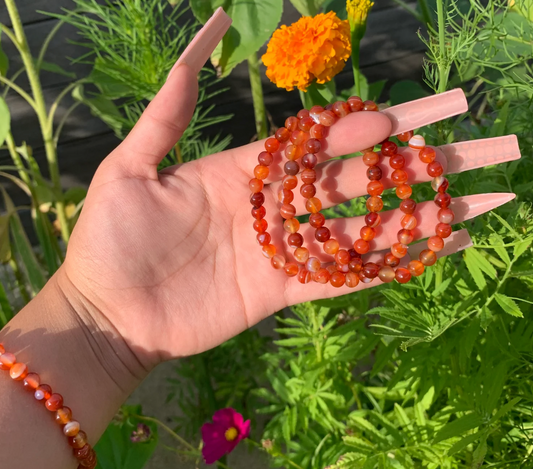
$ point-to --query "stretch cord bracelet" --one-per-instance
(303, 135)
(53, 402)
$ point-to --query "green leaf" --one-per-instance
(474, 269)
(292, 342)
(458, 427)
(4, 61)
(254, 21)
(5, 246)
(5, 120)
(504, 409)
(115, 450)
(54, 68)
(521, 247)
(5, 307)
(406, 90)
(508, 305)
(307, 7)
(498, 127)
(464, 442)
(318, 94)
(47, 240)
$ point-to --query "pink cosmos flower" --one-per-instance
(222, 436)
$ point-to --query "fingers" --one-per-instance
(168, 115)
(298, 293)
(346, 230)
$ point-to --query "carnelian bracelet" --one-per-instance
(76, 437)
(302, 135)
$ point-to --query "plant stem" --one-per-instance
(169, 430)
(11, 146)
(177, 152)
(444, 68)
(257, 97)
(426, 15)
(356, 45)
(40, 109)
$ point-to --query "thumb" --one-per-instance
(165, 119)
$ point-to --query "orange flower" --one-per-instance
(312, 48)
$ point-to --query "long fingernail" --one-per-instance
(204, 43)
(471, 206)
(457, 241)
(425, 111)
(463, 156)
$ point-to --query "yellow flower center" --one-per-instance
(358, 10)
(231, 434)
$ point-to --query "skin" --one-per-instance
(159, 266)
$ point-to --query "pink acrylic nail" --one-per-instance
(204, 43)
(425, 111)
(464, 156)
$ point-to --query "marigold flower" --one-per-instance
(312, 48)
(222, 436)
(358, 12)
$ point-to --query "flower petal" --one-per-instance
(225, 417)
(244, 430)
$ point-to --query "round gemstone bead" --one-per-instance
(285, 196)
(263, 239)
(370, 106)
(355, 265)
(259, 213)
(309, 161)
(260, 225)
(18, 371)
(443, 200)
(434, 169)
(322, 234)
(372, 219)
(408, 206)
(370, 270)
(337, 279)
(398, 250)
(298, 137)
(289, 182)
(31, 382)
(405, 236)
(313, 145)
(7, 360)
(256, 185)
(72, 428)
(371, 158)
(341, 268)
(374, 204)
(307, 191)
(318, 131)
(391, 260)
(331, 246)
(408, 222)
(398, 176)
(356, 103)
(435, 243)
(304, 276)
(295, 240)
(352, 279)
(403, 275)
(445, 215)
(440, 184)
(283, 135)
(265, 158)
(302, 113)
(389, 148)
(291, 225)
(313, 205)
(278, 261)
(361, 246)
(375, 188)
(256, 200)
(79, 440)
(374, 173)
(343, 256)
(308, 176)
(54, 402)
(367, 233)
(341, 109)
(287, 211)
(291, 123)
(387, 274)
(427, 155)
(291, 269)
(315, 112)
(83, 452)
(269, 251)
(301, 255)
(404, 191)
(312, 264)
(405, 136)
(89, 463)
(261, 172)
(416, 268)
(427, 257)
(322, 276)
(327, 118)
(417, 142)
(316, 220)
(63, 416)
(397, 161)
(292, 153)
(43, 392)
(443, 230)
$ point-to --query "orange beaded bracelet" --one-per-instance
(302, 134)
(53, 402)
